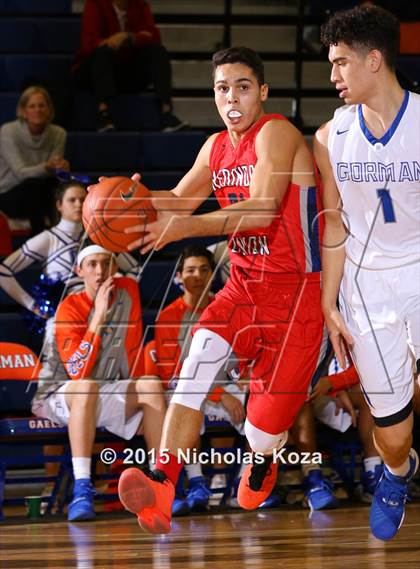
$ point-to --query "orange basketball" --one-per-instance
(113, 205)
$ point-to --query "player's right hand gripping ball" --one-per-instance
(113, 205)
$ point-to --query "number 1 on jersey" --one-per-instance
(387, 206)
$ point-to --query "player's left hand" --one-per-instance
(343, 401)
(234, 407)
(135, 177)
(339, 335)
(322, 387)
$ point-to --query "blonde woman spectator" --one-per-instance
(31, 150)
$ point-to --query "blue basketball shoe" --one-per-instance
(180, 507)
(319, 491)
(198, 494)
(273, 500)
(81, 508)
(369, 481)
(387, 510)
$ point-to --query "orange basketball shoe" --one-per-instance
(257, 483)
(149, 496)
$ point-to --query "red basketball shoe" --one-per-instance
(149, 496)
(257, 483)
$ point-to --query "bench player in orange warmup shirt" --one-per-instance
(90, 380)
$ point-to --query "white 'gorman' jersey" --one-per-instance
(379, 184)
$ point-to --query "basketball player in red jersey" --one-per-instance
(262, 174)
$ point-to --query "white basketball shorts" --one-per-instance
(110, 411)
(382, 311)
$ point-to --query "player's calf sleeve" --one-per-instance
(263, 442)
(207, 356)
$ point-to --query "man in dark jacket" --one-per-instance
(121, 50)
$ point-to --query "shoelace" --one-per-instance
(85, 491)
(392, 494)
(258, 474)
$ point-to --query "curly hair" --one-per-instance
(364, 28)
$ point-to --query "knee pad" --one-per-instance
(263, 442)
(208, 354)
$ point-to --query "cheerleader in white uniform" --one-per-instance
(55, 249)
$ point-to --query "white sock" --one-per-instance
(193, 470)
(371, 462)
(81, 467)
(400, 470)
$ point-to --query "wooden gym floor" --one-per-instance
(282, 537)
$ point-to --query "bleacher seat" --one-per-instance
(175, 150)
(8, 103)
(190, 37)
(14, 329)
(39, 35)
(317, 110)
(273, 38)
(35, 6)
(94, 151)
(17, 70)
(130, 112)
(316, 75)
(133, 151)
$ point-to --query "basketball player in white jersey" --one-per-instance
(369, 157)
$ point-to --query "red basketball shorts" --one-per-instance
(277, 328)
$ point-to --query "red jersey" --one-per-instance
(291, 243)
